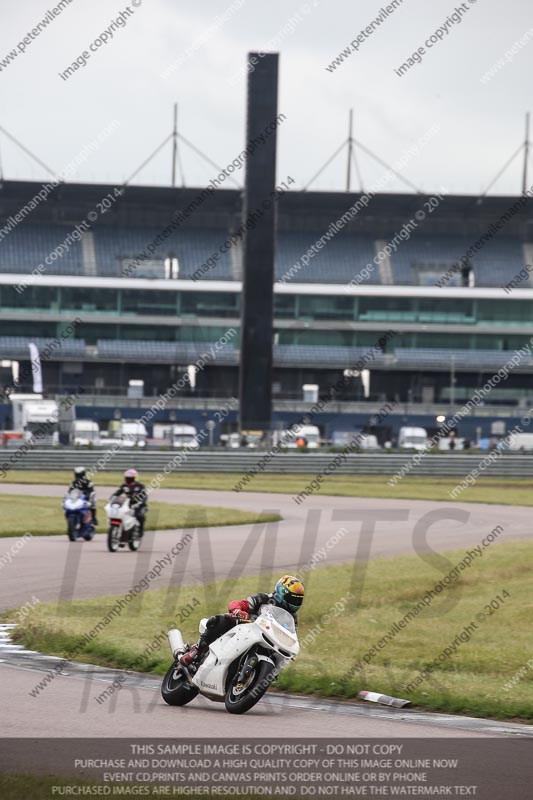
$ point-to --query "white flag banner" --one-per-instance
(365, 377)
(36, 368)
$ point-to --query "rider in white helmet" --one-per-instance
(85, 485)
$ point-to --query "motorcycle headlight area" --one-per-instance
(276, 633)
(283, 636)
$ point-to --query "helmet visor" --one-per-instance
(294, 601)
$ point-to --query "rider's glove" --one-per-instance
(239, 614)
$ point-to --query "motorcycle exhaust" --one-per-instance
(175, 640)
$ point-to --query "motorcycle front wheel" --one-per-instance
(113, 538)
(240, 698)
(175, 689)
(72, 528)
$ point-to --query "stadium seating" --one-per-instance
(168, 352)
(439, 358)
(27, 246)
(323, 356)
(16, 347)
(107, 250)
(499, 261)
(495, 264)
(339, 261)
(332, 357)
(117, 247)
(188, 352)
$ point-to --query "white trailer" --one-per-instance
(289, 438)
(412, 438)
(84, 432)
(520, 442)
(35, 418)
(132, 434)
(176, 435)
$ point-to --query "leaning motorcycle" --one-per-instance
(124, 528)
(239, 667)
(78, 515)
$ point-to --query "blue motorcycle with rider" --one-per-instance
(80, 507)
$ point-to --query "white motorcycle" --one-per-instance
(124, 527)
(239, 666)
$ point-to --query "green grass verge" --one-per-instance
(24, 787)
(507, 491)
(39, 787)
(33, 787)
(42, 516)
(471, 681)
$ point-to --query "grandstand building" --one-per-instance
(432, 295)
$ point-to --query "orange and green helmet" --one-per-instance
(289, 593)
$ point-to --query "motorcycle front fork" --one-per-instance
(249, 665)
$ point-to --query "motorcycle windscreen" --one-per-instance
(281, 616)
(119, 500)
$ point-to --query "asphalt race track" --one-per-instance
(42, 567)
(50, 568)
(68, 708)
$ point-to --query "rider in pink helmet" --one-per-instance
(136, 491)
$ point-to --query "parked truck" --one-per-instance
(133, 434)
(309, 434)
(358, 439)
(36, 419)
(84, 433)
(176, 435)
(412, 438)
(520, 442)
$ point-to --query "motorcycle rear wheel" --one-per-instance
(113, 538)
(239, 701)
(72, 528)
(175, 689)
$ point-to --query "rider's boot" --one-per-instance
(193, 656)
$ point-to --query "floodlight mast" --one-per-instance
(257, 309)
(174, 144)
(526, 156)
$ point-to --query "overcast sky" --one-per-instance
(481, 124)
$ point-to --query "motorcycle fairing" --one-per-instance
(211, 675)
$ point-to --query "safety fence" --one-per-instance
(242, 462)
